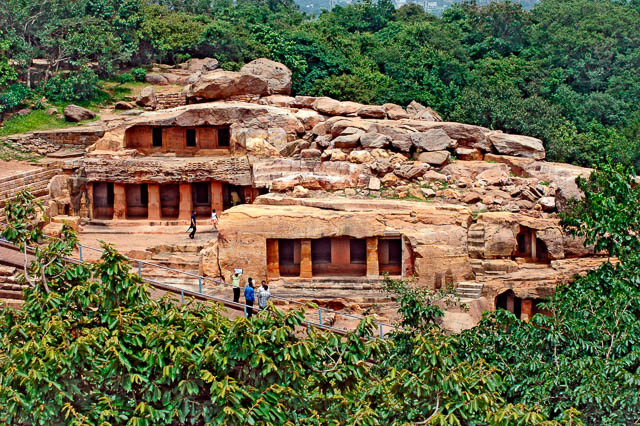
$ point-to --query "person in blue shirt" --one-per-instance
(249, 297)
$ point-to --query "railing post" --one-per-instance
(320, 315)
(80, 251)
(200, 284)
(381, 333)
(139, 268)
(182, 296)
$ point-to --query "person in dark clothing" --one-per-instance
(249, 297)
(193, 225)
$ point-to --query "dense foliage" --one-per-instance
(586, 353)
(565, 71)
(90, 346)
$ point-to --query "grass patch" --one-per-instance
(36, 120)
(7, 153)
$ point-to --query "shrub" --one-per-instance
(125, 78)
(13, 97)
(139, 74)
(75, 86)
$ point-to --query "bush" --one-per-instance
(139, 74)
(125, 78)
(13, 97)
(75, 86)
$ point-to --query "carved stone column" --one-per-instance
(153, 205)
(306, 266)
(373, 268)
(119, 201)
(186, 201)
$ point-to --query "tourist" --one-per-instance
(263, 295)
(235, 282)
(214, 219)
(249, 297)
(193, 225)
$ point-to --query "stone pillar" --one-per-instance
(373, 268)
(305, 259)
(526, 309)
(533, 245)
(216, 197)
(186, 203)
(153, 206)
(119, 201)
(273, 260)
(90, 200)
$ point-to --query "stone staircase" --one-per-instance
(10, 288)
(475, 241)
(36, 181)
(170, 100)
(469, 289)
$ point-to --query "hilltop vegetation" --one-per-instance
(565, 72)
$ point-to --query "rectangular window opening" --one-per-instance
(202, 192)
(157, 136)
(191, 137)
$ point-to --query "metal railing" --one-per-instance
(320, 323)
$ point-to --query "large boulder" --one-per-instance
(374, 140)
(225, 84)
(432, 140)
(147, 97)
(76, 113)
(567, 190)
(371, 111)
(420, 112)
(155, 78)
(277, 75)
(331, 106)
(205, 64)
(435, 158)
(517, 145)
(395, 112)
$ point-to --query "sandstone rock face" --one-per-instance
(205, 64)
(360, 157)
(395, 112)
(147, 97)
(374, 140)
(225, 84)
(517, 145)
(435, 158)
(285, 173)
(121, 105)
(155, 78)
(235, 170)
(330, 106)
(309, 118)
(76, 113)
(371, 111)
(420, 112)
(567, 190)
(433, 234)
(432, 140)
(237, 114)
(277, 75)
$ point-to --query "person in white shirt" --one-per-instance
(263, 295)
(214, 219)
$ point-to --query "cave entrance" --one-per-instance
(103, 200)
(170, 200)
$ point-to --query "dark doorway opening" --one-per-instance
(509, 302)
(157, 136)
(103, 200)
(289, 257)
(191, 137)
(170, 200)
(223, 136)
